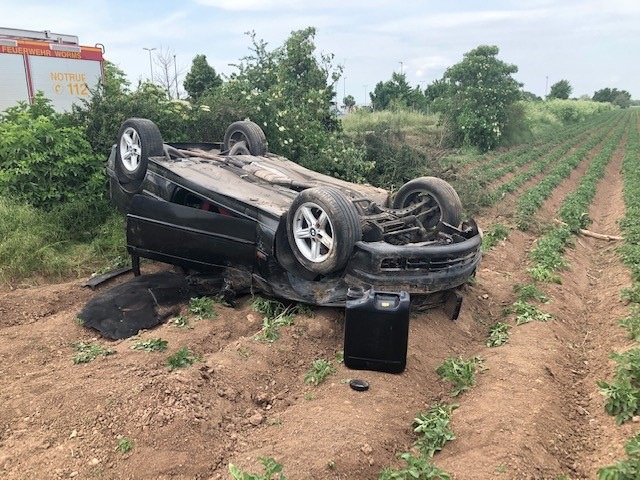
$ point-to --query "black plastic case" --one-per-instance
(376, 331)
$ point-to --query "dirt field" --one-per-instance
(535, 412)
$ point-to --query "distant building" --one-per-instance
(56, 64)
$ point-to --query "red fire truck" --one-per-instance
(56, 64)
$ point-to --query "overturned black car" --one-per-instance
(264, 223)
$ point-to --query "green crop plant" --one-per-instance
(623, 393)
(628, 469)
(124, 445)
(151, 345)
(632, 324)
(460, 372)
(494, 234)
(181, 322)
(319, 371)
(85, 352)
(272, 471)
(530, 291)
(498, 334)
(182, 359)
(526, 312)
(418, 468)
(203, 307)
(433, 429)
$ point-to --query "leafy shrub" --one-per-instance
(44, 162)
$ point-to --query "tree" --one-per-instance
(201, 79)
(561, 90)
(166, 74)
(621, 98)
(349, 102)
(475, 95)
(392, 92)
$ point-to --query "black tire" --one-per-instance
(438, 194)
(323, 226)
(248, 133)
(138, 139)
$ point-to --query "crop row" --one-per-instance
(548, 254)
(508, 162)
(531, 200)
(623, 392)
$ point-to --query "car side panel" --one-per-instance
(187, 236)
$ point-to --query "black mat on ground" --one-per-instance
(140, 303)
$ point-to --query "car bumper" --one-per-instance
(417, 269)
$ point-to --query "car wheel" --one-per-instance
(138, 140)
(439, 196)
(247, 133)
(323, 226)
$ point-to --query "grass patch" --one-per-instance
(33, 242)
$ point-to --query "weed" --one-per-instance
(319, 370)
(433, 428)
(418, 468)
(243, 353)
(525, 292)
(339, 357)
(182, 359)
(181, 322)
(331, 464)
(85, 352)
(309, 396)
(151, 345)
(124, 445)
(626, 469)
(498, 334)
(540, 273)
(78, 321)
(623, 393)
(460, 372)
(272, 471)
(202, 307)
(276, 315)
(501, 469)
(631, 294)
(494, 234)
(632, 324)
(526, 312)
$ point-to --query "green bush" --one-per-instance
(43, 161)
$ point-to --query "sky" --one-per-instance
(591, 43)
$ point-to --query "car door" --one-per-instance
(189, 237)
